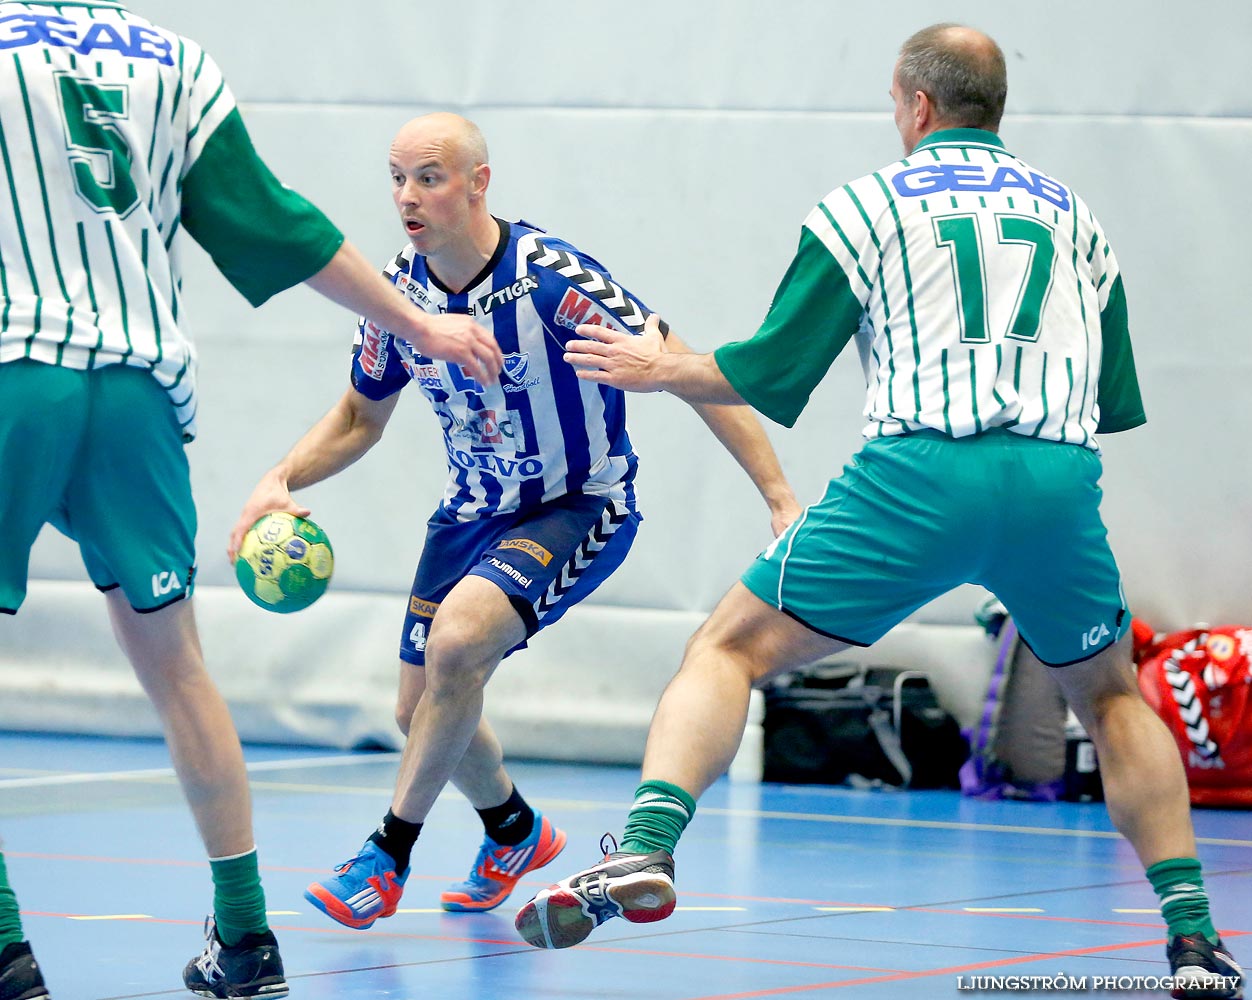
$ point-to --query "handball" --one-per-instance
(284, 563)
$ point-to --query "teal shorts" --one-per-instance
(99, 455)
(913, 517)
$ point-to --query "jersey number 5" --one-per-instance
(961, 236)
(98, 153)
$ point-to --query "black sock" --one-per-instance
(396, 837)
(509, 823)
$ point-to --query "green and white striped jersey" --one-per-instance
(114, 134)
(981, 293)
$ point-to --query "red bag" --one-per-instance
(1200, 682)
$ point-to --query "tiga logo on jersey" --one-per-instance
(577, 308)
(522, 287)
(373, 350)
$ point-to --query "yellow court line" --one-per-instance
(855, 909)
(1154, 909)
(116, 916)
(1002, 909)
(438, 910)
(282, 913)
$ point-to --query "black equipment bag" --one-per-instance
(878, 725)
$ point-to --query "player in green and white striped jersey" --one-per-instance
(990, 317)
(114, 135)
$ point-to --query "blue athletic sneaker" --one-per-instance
(363, 888)
(498, 868)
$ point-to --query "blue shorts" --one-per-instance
(545, 560)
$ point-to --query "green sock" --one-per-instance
(657, 819)
(10, 919)
(1184, 903)
(238, 900)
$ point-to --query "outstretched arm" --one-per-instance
(349, 429)
(740, 432)
(649, 362)
(350, 280)
(642, 364)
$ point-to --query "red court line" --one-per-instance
(925, 973)
(1064, 920)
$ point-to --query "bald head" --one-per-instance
(961, 70)
(456, 140)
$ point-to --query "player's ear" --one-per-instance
(480, 177)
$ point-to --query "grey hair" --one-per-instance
(963, 76)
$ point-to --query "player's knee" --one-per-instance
(457, 659)
(717, 642)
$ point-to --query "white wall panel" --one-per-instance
(682, 144)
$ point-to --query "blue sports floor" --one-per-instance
(783, 891)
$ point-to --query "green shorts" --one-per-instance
(912, 517)
(98, 454)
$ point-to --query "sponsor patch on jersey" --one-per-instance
(577, 308)
(487, 427)
(423, 609)
(427, 376)
(522, 287)
(511, 572)
(373, 351)
(133, 41)
(495, 464)
(414, 290)
(935, 177)
(515, 368)
(531, 548)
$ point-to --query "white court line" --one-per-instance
(148, 774)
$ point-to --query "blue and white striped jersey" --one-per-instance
(540, 432)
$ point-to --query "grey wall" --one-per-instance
(682, 144)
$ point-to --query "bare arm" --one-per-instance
(741, 434)
(642, 364)
(350, 280)
(348, 430)
(649, 362)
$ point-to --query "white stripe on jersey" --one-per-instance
(90, 280)
(982, 281)
(541, 430)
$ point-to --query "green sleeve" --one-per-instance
(1121, 406)
(263, 236)
(814, 314)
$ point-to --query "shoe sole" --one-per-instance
(461, 903)
(334, 908)
(276, 992)
(556, 918)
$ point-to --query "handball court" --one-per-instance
(783, 890)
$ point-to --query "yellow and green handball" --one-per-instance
(284, 563)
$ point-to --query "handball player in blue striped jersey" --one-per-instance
(538, 510)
